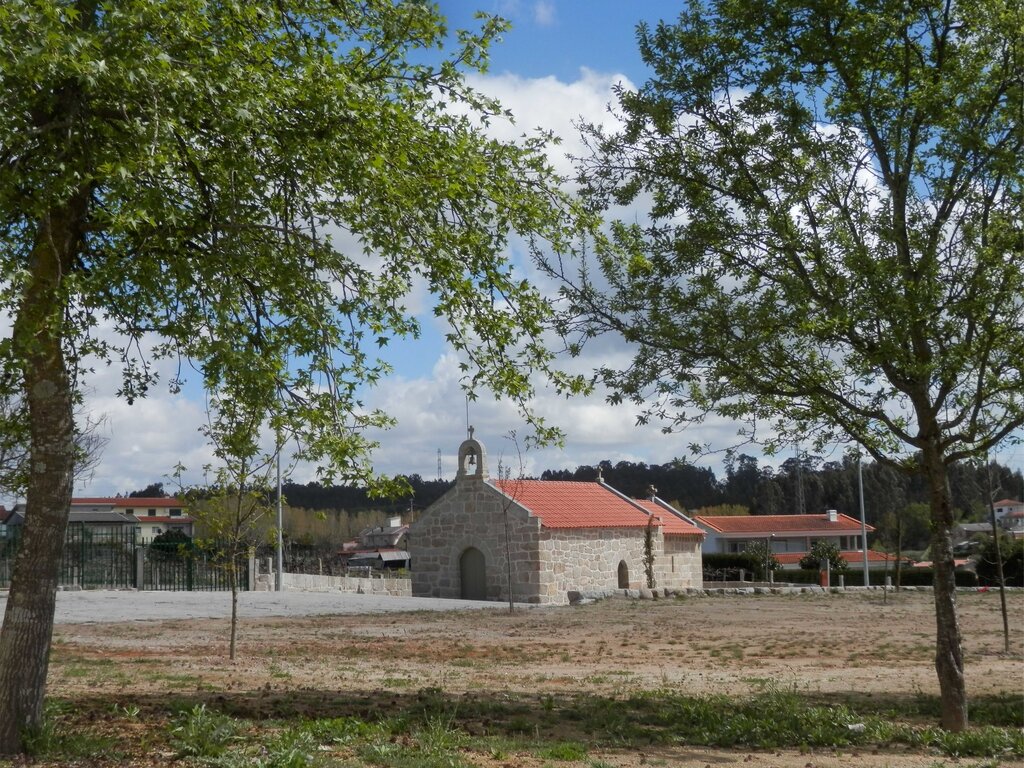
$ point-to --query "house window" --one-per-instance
(129, 511)
(151, 512)
(175, 512)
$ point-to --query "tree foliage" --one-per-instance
(823, 549)
(1011, 551)
(249, 190)
(759, 552)
(151, 491)
(834, 249)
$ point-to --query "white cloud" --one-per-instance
(544, 13)
(547, 103)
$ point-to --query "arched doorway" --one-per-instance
(473, 575)
(623, 575)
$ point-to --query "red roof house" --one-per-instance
(790, 537)
(151, 516)
(553, 537)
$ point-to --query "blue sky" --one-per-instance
(557, 37)
(558, 64)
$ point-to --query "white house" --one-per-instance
(789, 537)
(150, 516)
(1010, 515)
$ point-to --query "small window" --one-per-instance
(129, 511)
(175, 512)
(151, 512)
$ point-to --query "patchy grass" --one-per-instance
(433, 729)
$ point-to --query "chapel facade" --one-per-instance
(545, 538)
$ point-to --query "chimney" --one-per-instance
(832, 515)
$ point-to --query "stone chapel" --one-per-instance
(547, 537)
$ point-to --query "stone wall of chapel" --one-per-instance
(472, 514)
(587, 559)
(546, 563)
(679, 566)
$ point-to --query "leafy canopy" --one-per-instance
(834, 244)
(254, 188)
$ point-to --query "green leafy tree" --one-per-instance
(834, 248)
(907, 528)
(233, 508)
(1011, 551)
(823, 549)
(251, 189)
(151, 491)
(172, 544)
(724, 510)
(760, 553)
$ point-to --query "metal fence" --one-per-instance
(191, 568)
(116, 559)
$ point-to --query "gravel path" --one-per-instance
(99, 606)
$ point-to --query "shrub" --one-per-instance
(824, 549)
(171, 543)
(1012, 552)
(726, 566)
(762, 556)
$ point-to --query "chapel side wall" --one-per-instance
(679, 566)
(473, 515)
(583, 559)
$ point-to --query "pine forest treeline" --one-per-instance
(748, 484)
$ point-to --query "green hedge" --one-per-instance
(722, 560)
(1013, 563)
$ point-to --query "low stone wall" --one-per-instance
(306, 582)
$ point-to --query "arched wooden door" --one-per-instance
(473, 575)
(623, 575)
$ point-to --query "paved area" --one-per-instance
(112, 606)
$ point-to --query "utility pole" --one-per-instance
(999, 554)
(279, 579)
(863, 523)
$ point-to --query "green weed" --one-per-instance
(56, 739)
(567, 751)
(201, 732)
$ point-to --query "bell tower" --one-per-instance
(472, 460)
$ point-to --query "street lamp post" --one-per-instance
(863, 524)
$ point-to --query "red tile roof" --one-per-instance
(122, 502)
(570, 504)
(766, 524)
(164, 519)
(957, 563)
(1006, 503)
(671, 523)
(852, 557)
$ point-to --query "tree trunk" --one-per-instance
(37, 340)
(949, 658)
(233, 584)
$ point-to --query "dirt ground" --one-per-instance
(832, 647)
